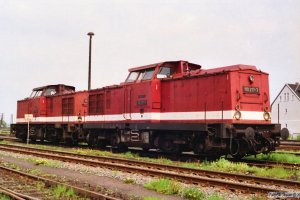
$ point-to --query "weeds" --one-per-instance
(167, 186)
(193, 194)
(34, 171)
(61, 191)
(129, 181)
(164, 186)
(255, 197)
(215, 197)
(4, 197)
(151, 198)
(278, 157)
(219, 165)
(45, 162)
(227, 166)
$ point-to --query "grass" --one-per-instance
(34, 171)
(164, 186)
(44, 162)
(219, 165)
(151, 198)
(298, 137)
(192, 193)
(4, 197)
(278, 157)
(61, 191)
(167, 186)
(242, 168)
(129, 180)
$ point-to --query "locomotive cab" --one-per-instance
(50, 90)
(163, 70)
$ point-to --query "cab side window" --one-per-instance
(165, 72)
(49, 92)
(132, 77)
(148, 74)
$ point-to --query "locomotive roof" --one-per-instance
(161, 63)
(202, 71)
(230, 68)
(49, 86)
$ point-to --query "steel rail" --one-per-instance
(81, 191)
(290, 142)
(16, 195)
(268, 163)
(179, 173)
(288, 147)
(11, 194)
(288, 152)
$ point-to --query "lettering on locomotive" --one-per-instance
(251, 90)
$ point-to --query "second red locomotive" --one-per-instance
(172, 106)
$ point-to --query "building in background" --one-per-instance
(285, 108)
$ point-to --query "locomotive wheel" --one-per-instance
(75, 138)
(101, 143)
(56, 136)
(167, 145)
(115, 140)
(42, 135)
(199, 148)
(238, 156)
(33, 139)
(69, 142)
(122, 148)
(145, 148)
(23, 137)
(90, 138)
(235, 150)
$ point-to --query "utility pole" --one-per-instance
(1, 121)
(91, 34)
(11, 119)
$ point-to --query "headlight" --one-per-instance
(267, 116)
(237, 115)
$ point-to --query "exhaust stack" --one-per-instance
(91, 34)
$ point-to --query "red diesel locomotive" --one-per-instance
(172, 106)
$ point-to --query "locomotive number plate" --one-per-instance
(251, 90)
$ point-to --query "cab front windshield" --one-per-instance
(36, 93)
(145, 74)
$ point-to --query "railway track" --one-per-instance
(269, 164)
(289, 145)
(288, 152)
(21, 185)
(245, 183)
(192, 157)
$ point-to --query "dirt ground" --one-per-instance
(93, 180)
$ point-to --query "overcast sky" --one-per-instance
(45, 42)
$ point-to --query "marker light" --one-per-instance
(237, 115)
(267, 116)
